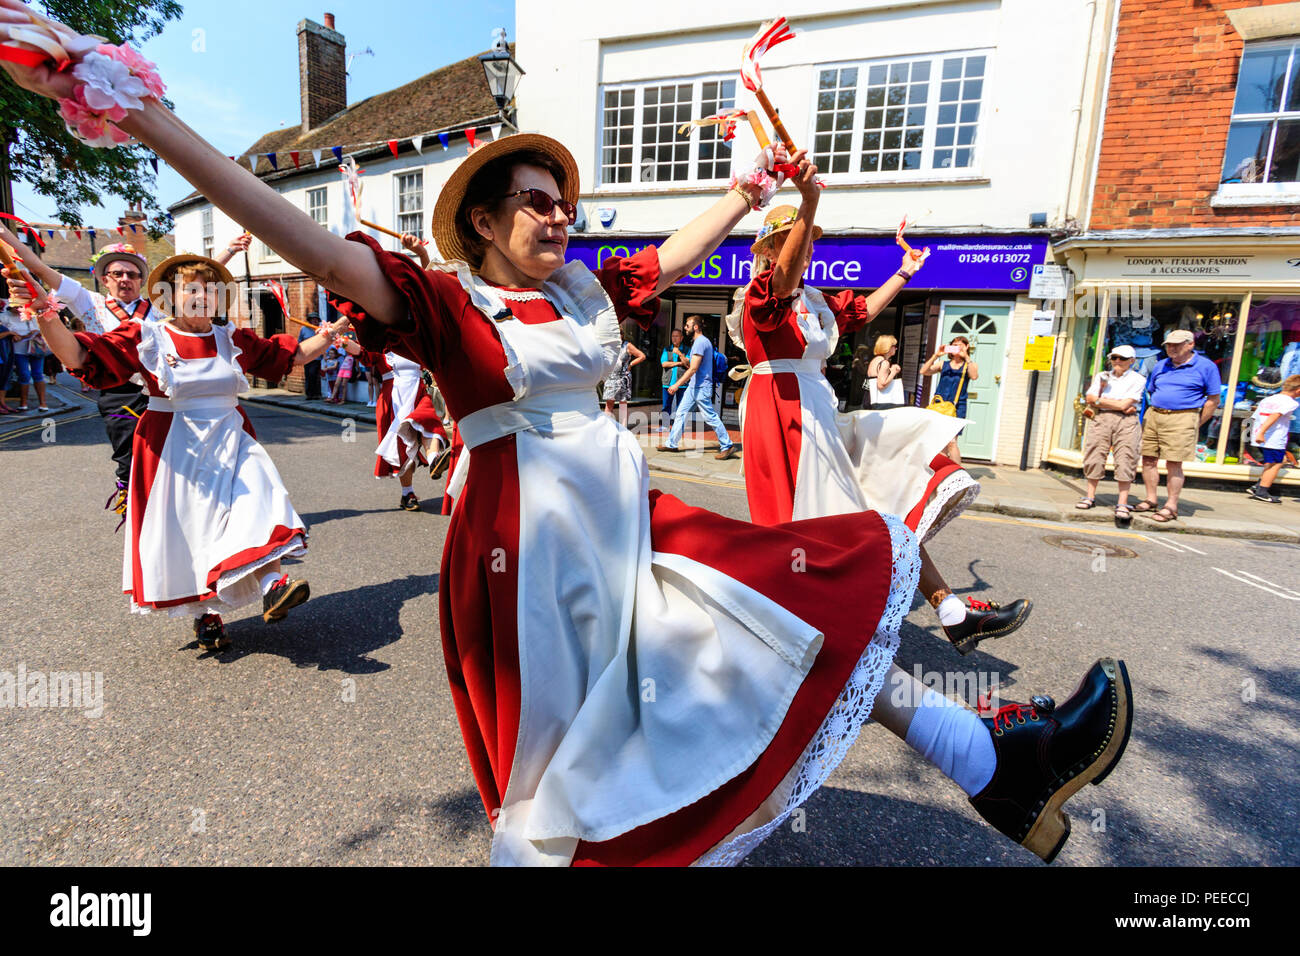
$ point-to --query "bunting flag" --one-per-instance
(51, 233)
(315, 155)
(231, 158)
(153, 161)
(78, 232)
(252, 162)
(392, 147)
(293, 154)
(445, 140)
(496, 131)
(338, 152)
(417, 142)
(119, 230)
(271, 159)
(469, 135)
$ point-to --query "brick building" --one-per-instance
(398, 190)
(1192, 222)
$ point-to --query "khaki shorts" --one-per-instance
(1171, 436)
(1112, 430)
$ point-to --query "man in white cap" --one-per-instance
(1113, 397)
(1182, 394)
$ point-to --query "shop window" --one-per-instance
(318, 206)
(899, 116)
(1084, 342)
(1214, 325)
(640, 138)
(1270, 352)
(1263, 149)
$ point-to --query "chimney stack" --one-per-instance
(322, 72)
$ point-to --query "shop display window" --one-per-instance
(1270, 352)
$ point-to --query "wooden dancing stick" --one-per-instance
(760, 134)
(374, 225)
(7, 257)
(778, 127)
(314, 328)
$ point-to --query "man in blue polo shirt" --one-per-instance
(1182, 395)
(697, 384)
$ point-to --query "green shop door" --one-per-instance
(986, 324)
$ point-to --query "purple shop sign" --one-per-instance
(981, 263)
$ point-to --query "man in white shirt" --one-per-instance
(1113, 397)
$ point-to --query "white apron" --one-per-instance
(215, 494)
(864, 460)
(406, 391)
(600, 613)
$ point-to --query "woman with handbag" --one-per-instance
(805, 459)
(956, 369)
(883, 387)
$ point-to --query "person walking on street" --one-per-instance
(1182, 394)
(696, 384)
(672, 359)
(1113, 398)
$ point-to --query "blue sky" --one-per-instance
(231, 67)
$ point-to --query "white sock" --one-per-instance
(268, 580)
(951, 611)
(953, 739)
(408, 489)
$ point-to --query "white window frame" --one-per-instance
(207, 238)
(324, 207)
(397, 202)
(638, 105)
(927, 171)
(1245, 194)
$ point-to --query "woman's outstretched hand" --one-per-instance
(46, 79)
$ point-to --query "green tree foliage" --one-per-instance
(44, 154)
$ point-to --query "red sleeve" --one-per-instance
(113, 357)
(429, 331)
(850, 311)
(271, 359)
(766, 311)
(631, 284)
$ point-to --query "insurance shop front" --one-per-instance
(971, 285)
(1236, 291)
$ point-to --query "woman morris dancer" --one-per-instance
(803, 459)
(209, 517)
(637, 680)
(410, 428)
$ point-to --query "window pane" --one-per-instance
(944, 135)
(871, 163)
(1293, 91)
(893, 139)
(876, 75)
(824, 122)
(942, 158)
(1286, 153)
(1259, 84)
(912, 160)
(952, 68)
(849, 77)
(963, 158)
(871, 141)
(965, 135)
(1247, 152)
(893, 118)
(970, 112)
(889, 161)
(975, 66)
(840, 164)
(827, 80)
(898, 73)
(947, 114)
(920, 71)
(950, 91)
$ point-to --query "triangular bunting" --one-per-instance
(119, 230)
(271, 159)
(78, 232)
(315, 155)
(417, 142)
(392, 147)
(153, 161)
(231, 158)
(252, 162)
(338, 152)
(293, 154)
(496, 131)
(63, 234)
(469, 135)
(445, 140)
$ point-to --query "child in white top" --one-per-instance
(1272, 428)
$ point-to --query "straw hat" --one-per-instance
(164, 273)
(117, 252)
(1267, 378)
(453, 193)
(780, 219)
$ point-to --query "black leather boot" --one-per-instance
(984, 620)
(210, 633)
(1046, 753)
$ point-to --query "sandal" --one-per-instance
(1142, 507)
(1164, 516)
(1123, 516)
(1083, 504)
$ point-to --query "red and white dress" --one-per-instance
(206, 507)
(405, 416)
(806, 459)
(638, 681)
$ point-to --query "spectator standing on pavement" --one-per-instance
(1182, 394)
(311, 371)
(342, 378)
(672, 360)
(697, 386)
(883, 388)
(618, 385)
(1272, 430)
(1113, 398)
(956, 371)
(29, 357)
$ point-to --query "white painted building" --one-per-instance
(975, 117)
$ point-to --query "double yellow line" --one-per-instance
(40, 426)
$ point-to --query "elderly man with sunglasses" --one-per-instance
(121, 270)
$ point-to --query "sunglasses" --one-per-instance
(544, 205)
(123, 275)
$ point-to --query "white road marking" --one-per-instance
(1290, 596)
(1270, 584)
(1179, 546)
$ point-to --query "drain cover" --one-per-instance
(1090, 546)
